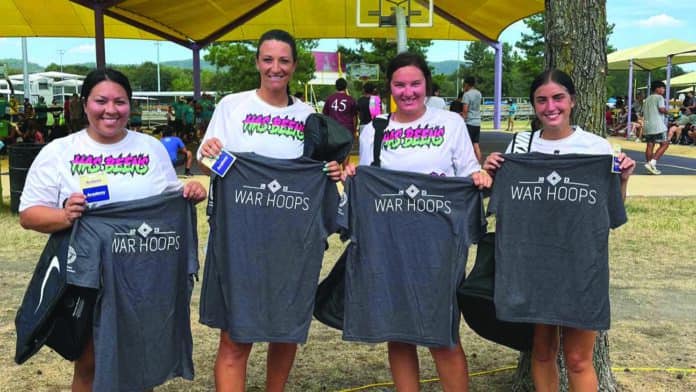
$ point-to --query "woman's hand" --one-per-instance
(493, 163)
(211, 147)
(348, 171)
(626, 165)
(482, 179)
(333, 170)
(194, 191)
(73, 207)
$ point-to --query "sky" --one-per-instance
(637, 22)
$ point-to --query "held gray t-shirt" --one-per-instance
(553, 215)
(268, 228)
(141, 255)
(410, 235)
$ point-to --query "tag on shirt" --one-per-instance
(615, 164)
(95, 187)
(221, 164)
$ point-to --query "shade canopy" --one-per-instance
(688, 79)
(653, 55)
(200, 22)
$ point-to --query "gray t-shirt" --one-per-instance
(141, 255)
(268, 230)
(410, 235)
(473, 99)
(553, 215)
(654, 120)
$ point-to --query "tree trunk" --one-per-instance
(576, 32)
(607, 383)
(576, 43)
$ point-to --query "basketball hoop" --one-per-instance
(381, 13)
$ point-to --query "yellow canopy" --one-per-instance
(687, 79)
(654, 55)
(199, 22)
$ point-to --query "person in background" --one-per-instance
(472, 112)
(28, 109)
(457, 106)
(276, 61)
(342, 107)
(31, 132)
(174, 146)
(375, 103)
(553, 95)
(435, 100)
(512, 110)
(655, 127)
(409, 78)
(53, 199)
(41, 111)
(363, 104)
(76, 113)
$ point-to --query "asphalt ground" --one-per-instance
(670, 165)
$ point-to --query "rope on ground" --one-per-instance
(513, 367)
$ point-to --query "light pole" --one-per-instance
(157, 44)
(62, 88)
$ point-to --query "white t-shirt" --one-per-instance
(436, 102)
(578, 142)
(136, 167)
(245, 123)
(437, 143)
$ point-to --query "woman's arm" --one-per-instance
(46, 219)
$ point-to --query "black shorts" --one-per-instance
(474, 132)
(180, 160)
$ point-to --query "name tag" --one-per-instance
(222, 164)
(95, 187)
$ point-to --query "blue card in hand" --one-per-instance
(223, 163)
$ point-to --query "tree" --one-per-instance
(532, 47)
(575, 32)
(480, 65)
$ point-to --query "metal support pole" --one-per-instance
(159, 88)
(25, 70)
(99, 35)
(196, 71)
(401, 45)
(629, 101)
(498, 83)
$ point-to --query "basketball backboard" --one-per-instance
(363, 71)
(380, 13)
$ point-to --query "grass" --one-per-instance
(653, 289)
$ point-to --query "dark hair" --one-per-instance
(656, 84)
(368, 88)
(470, 80)
(436, 88)
(552, 75)
(101, 74)
(278, 35)
(341, 84)
(405, 59)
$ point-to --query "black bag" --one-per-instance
(330, 297)
(475, 297)
(54, 312)
(325, 139)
